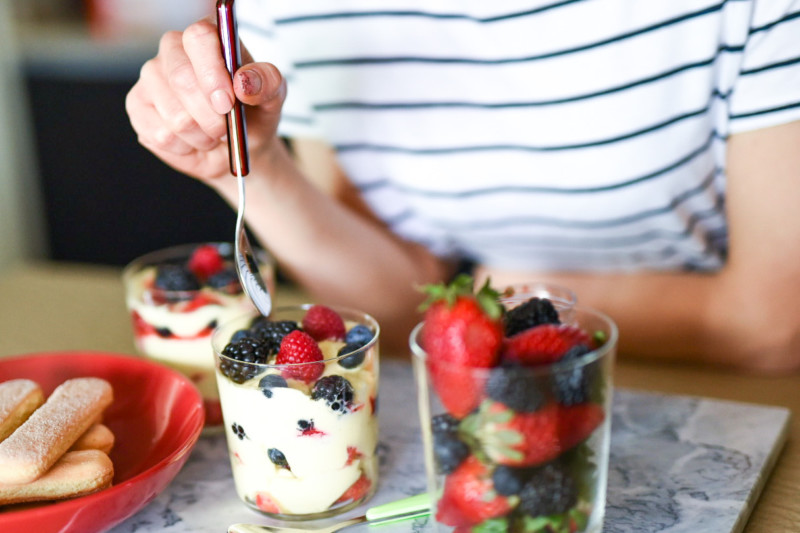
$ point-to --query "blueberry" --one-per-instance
(277, 458)
(355, 358)
(269, 382)
(359, 334)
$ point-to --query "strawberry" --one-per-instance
(462, 330)
(469, 496)
(206, 261)
(527, 439)
(266, 504)
(357, 490)
(323, 323)
(543, 344)
(298, 347)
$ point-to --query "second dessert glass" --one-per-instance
(302, 437)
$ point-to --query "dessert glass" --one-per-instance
(554, 458)
(174, 327)
(563, 298)
(295, 457)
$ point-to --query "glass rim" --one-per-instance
(420, 354)
(156, 257)
(562, 294)
(375, 326)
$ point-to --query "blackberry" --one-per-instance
(355, 358)
(272, 333)
(358, 334)
(176, 278)
(508, 480)
(549, 490)
(246, 353)
(336, 391)
(277, 458)
(225, 279)
(271, 381)
(448, 448)
(238, 431)
(572, 386)
(516, 388)
(529, 314)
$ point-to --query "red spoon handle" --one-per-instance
(231, 52)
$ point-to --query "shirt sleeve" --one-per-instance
(767, 89)
(259, 35)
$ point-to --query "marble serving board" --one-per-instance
(678, 464)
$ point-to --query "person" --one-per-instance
(643, 154)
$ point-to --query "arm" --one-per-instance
(326, 242)
(746, 316)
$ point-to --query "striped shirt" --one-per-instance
(537, 134)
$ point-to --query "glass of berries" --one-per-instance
(176, 297)
(299, 396)
(516, 428)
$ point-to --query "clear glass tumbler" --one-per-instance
(562, 298)
(302, 437)
(176, 297)
(532, 454)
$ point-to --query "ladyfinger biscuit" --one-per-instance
(18, 399)
(75, 474)
(97, 437)
(49, 432)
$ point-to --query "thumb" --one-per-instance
(261, 85)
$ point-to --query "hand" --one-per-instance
(178, 105)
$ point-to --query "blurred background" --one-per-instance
(74, 183)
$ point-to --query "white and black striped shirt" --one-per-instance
(572, 134)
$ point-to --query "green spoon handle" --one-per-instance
(400, 509)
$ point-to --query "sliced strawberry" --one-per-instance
(140, 326)
(460, 389)
(543, 344)
(577, 422)
(470, 491)
(201, 300)
(213, 412)
(323, 323)
(298, 347)
(357, 490)
(266, 504)
(353, 455)
(206, 261)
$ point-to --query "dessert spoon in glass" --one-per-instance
(246, 265)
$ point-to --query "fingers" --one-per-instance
(261, 85)
(201, 43)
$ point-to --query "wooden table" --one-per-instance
(49, 306)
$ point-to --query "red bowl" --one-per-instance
(156, 417)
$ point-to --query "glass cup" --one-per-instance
(536, 459)
(562, 298)
(174, 327)
(299, 449)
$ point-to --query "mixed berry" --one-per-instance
(520, 398)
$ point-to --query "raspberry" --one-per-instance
(302, 355)
(206, 261)
(323, 323)
(529, 314)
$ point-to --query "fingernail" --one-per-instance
(221, 101)
(251, 82)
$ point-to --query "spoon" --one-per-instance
(246, 265)
(410, 507)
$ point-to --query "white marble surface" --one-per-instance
(678, 464)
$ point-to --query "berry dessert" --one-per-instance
(516, 402)
(176, 297)
(299, 393)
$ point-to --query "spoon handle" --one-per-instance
(405, 508)
(231, 51)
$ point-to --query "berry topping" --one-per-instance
(336, 391)
(271, 333)
(277, 458)
(299, 351)
(175, 278)
(269, 382)
(359, 335)
(323, 323)
(355, 358)
(357, 490)
(448, 448)
(246, 353)
(238, 431)
(549, 490)
(206, 261)
(532, 313)
(515, 387)
(226, 279)
(542, 344)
